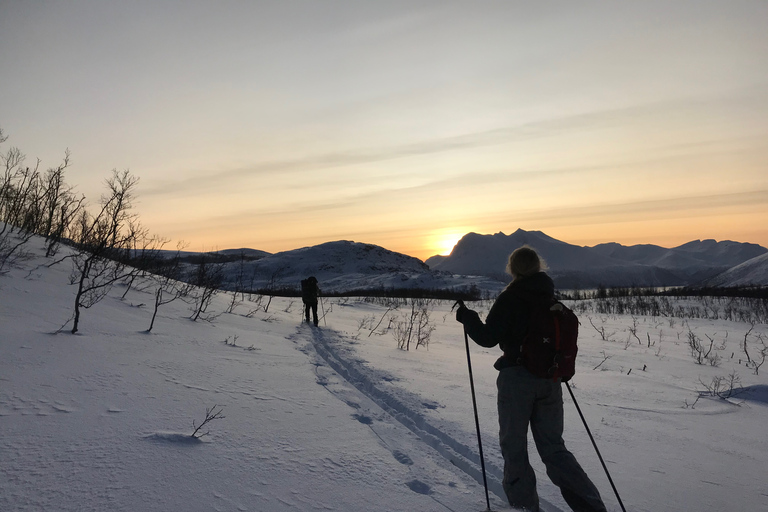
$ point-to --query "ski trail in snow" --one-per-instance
(405, 407)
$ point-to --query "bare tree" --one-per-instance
(32, 203)
(238, 285)
(170, 286)
(207, 277)
(144, 257)
(18, 188)
(746, 336)
(763, 354)
(60, 206)
(103, 241)
(274, 279)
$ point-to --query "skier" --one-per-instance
(524, 399)
(309, 293)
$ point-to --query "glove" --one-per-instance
(461, 313)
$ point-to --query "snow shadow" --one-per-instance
(173, 438)
(757, 393)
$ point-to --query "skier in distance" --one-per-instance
(309, 294)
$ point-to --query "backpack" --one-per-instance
(549, 347)
(309, 289)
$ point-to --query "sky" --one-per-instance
(285, 124)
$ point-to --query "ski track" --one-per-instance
(405, 409)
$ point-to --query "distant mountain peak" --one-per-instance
(610, 264)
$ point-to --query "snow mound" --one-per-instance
(174, 438)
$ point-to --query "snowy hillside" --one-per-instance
(751, 272)
(344, 266)
(478, 261)
(337, 418)
(609, 264)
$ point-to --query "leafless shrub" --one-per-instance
(210, 415)
(763, 354)
(698, 350)
(692, 405)
(722, 386)
(168, 274)
(391, 305)
(605, 336)
(746, 336)
(366, 322)
(712, 358)
(233, 342)
(633, 329)
(414, 325)
(605, 358)
(207, 278)
(274, 279)
(238, 285)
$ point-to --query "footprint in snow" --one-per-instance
(419, 487)
(362, 418)
(402, 458)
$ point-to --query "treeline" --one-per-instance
(604, 292)
(752, 292)
(747, 304)
(468, 294)
(736, 309)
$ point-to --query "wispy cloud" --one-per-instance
(637, 210)
(212, 180)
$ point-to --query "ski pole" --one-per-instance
(477, 420)
(595, 445)
(322, 306)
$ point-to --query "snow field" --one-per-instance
(337, 419)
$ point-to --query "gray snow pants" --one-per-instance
(525, 399)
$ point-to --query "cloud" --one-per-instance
(673, 207)
(649, 115)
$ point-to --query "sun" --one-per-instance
(444, 242)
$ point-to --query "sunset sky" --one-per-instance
(284, 124)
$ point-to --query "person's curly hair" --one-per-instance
(525, 261)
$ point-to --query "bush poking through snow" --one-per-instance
(722, 386)
(210, 415)
(414, 325)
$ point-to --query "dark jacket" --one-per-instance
(309, 290)
(507, 321)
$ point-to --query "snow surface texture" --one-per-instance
(337, 418)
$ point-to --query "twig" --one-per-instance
(606, 357)
(210, 415)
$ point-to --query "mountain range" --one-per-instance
(479, 261)
(609, 264)
(339, 266)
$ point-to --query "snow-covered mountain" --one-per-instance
(609, 264)
(342, 266)
(751, 272)
(480, 260)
